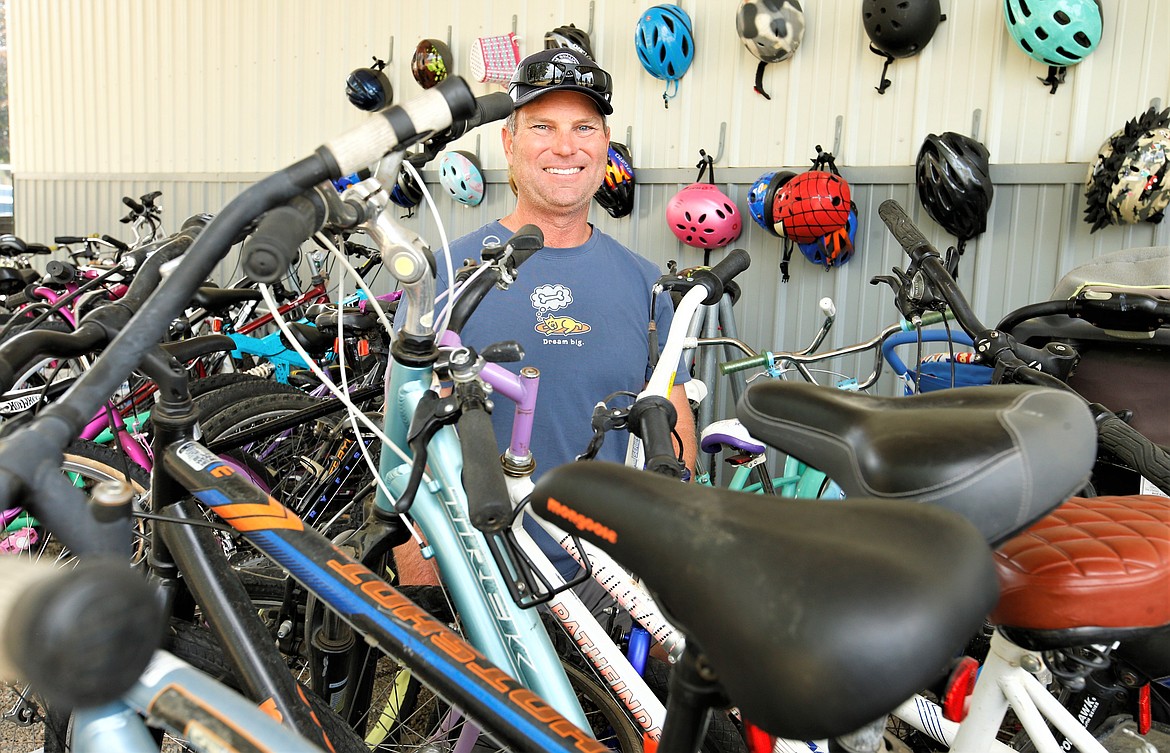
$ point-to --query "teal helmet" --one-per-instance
(1054, 32)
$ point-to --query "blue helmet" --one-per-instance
(837, 247)
(762, 196)
(368, 88)
(665, 44)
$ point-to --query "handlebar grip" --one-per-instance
(65, 240)
(904, 230)
(755, 362)
(39, 249)
(488, 109)
(60, 271)
(652, 419)
(269, 252)
(134, 205)
(81, 636)
(1134, 449)
(115, 243)
(399, 125)
(719, 276)
(488, 503)
(525, 242)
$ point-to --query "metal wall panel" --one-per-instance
(117, 97)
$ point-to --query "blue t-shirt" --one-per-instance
(582, 317)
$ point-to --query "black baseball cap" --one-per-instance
(561, 69)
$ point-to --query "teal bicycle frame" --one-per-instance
(512, 637)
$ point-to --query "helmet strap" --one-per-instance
(788, 243)
(667, 95)
(706, 164)
(1055, 77)
(759, 87)
(885, 82)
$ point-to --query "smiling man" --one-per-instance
(581, 306)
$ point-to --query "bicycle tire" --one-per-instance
(196, 645)
(296, 464)
(214, 394)
(89, 463)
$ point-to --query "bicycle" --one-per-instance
(784, 415)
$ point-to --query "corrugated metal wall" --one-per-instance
(198, 99)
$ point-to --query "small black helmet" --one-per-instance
(616, 194)
(954, 183)
(569, 36)
(900, 28)
(368, 88)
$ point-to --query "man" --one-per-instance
(580, 307)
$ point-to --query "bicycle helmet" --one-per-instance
(569, 36)
(460, 174)
(702, 216)
(1116, 159)
(406, 192)
(954, 183)
(369, 89)
(432, 62)
(771, 30)
(1054, 32)
(811, 205)
(837, 247)
(616, 194)
(762, 197)
(899, 28)
(1141, 187)
(665, 44)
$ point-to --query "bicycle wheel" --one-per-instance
(314, 468)
(86, 464)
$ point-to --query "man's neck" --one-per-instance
(560, 231)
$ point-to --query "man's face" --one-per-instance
(559, 151)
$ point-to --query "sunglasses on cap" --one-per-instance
(556, 73)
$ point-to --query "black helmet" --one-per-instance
(368, 88)
(616, 194)
(569, 36)
(900, 28)
(954, 183)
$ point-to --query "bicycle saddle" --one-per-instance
(1095, 570)
(729, 433)
(1002, 456)
(218, 300)
(817, 617)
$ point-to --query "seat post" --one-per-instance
(694, 691)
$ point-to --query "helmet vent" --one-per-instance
(1061, 18)
(1041, 33)
(1026, 46)
(1024, 8)
(1083, 40)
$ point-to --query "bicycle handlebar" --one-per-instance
(81, 636)
(1000, 349)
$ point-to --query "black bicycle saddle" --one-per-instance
(817, 616)
(1002, 456)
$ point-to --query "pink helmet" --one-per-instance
(702, 216)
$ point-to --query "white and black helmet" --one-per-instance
(771, 30)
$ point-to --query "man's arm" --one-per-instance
(685, 426)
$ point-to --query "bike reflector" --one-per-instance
(960, 685)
